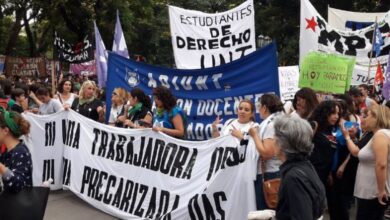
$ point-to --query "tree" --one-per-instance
(145, 23)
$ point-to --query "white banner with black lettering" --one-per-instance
(202, 40)
(133, 174)
(317, 35)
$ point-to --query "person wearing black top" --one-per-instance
(139, 111)
(87, 104)
(301, 193)
(326, 117)
(15, 160)
(19, 96)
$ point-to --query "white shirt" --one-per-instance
(366, 184)
(114, 113)
(267, 131)
(51, 107)
(244, 128)
(68, 101)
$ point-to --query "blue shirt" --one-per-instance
(166, 117)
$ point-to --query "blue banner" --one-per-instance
(202, 93)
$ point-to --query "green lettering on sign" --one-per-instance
(326, 72)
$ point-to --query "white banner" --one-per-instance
(350, 20)
(139, 173)
(288, 82)
(202, 40)
(317, 35)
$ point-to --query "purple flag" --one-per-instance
(386, 84)
(84, 69)
(119, 46)
(101, 58)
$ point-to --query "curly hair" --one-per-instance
(141, 97)
(60, 87)
(321, 114)
(165, 95)
(309, 96)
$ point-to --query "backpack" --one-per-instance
(184, 117)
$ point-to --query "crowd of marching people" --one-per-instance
(327, 153)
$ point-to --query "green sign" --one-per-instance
(326, 72)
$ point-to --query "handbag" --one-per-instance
(30, 203)
(270, 189)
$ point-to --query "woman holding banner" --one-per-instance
(139, 113)
(15, 161)
(87, 104)
(237, 127)
(118, 99)
(269, 106)
(169, 117)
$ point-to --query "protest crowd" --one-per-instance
(317, 151)
(339, 128)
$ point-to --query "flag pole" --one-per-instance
(53, 78)
(372, 48)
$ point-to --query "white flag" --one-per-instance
(317, 35)
(119, 45)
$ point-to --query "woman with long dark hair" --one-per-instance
(305, 101)
(139, 113)
(65, 92)
(324, 119)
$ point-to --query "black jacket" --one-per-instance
(323, 153)
(301, 193)
(89, 109)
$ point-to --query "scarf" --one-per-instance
(83, 101)
(135, 109)
(160, 112)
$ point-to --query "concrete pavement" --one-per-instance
(64, 205)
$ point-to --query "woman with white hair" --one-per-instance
(301, 193)
(87, 104)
